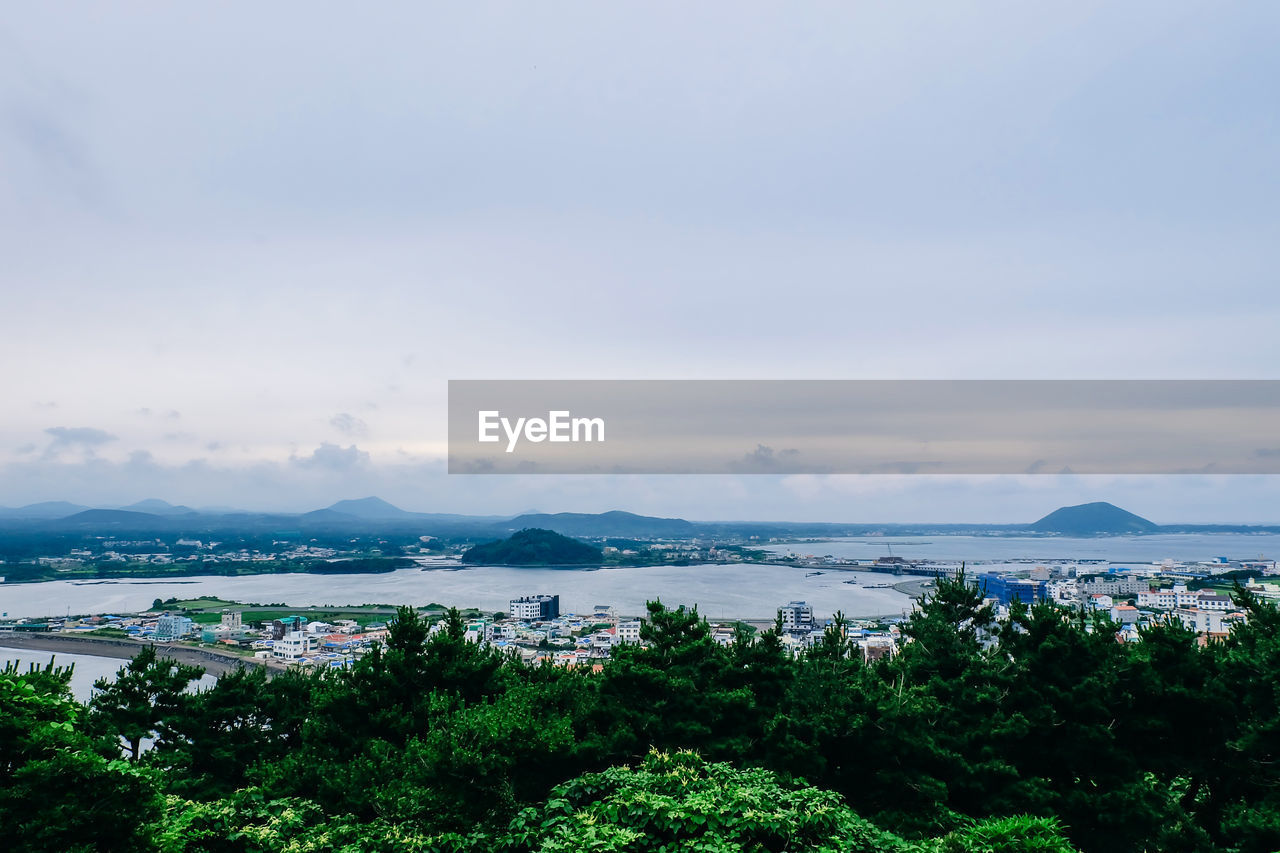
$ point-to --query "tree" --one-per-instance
(58, 789)
(144, 693)
(678, 801)
(674, 690)
(211, 739)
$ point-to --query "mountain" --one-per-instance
(373, 508)
(533, 547)
(614, 523)
(112, 516)
(155, 506)
(47, 509)
(1091, 519)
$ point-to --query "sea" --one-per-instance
(86, 669)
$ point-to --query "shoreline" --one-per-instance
(214, 662)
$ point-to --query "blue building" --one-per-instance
(1006, 589)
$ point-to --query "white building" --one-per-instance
(1065, 592)
(533, 608)
(1164, 599)
(796, 616)
(1125, 614)
(293, 645)
(1207, 621)
(1117, 586)
(629, 632)
(1206, 600)
(479, 631)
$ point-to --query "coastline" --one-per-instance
(214, 662)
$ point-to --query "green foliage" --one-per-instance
(676, 690)
(534, 547)
(145, 693)
(250, 822)
(677, 801)
(1018, 834)
(58, 788)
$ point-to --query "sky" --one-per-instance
(245, 246)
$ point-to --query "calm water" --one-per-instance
(88, 668)
(743, 591)
(720, 591)
(1117, 549)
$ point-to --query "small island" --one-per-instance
(534, 546)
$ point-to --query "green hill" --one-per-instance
(534, 547)
(1093, 518)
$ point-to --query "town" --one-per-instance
(536, 630)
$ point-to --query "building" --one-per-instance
(1206, 600)
(1007, 590)
(796, 616)
(876, 647)
(232, 620)
(629, 632)
(1115, 586)
(1208, 621)
(478, 631)
(1165, 599)
(293, 645)
(172, 626)
(535, 608)
(281, 627)
(1125, 614)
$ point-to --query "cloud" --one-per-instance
(80, 435)
(140, 459)
(902, 466)
(332, 457)
(349, 425)
(82, 438)
(764, 460)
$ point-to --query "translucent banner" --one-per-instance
(864, 427)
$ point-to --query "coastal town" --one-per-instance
(534, 628)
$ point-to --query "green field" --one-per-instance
(208, 610)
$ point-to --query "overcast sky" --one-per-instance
(245, 245)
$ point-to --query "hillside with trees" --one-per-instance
(533, 547)
(1093, 519)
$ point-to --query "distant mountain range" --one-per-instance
(373, 513)
(47, 509)
(613, 523)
